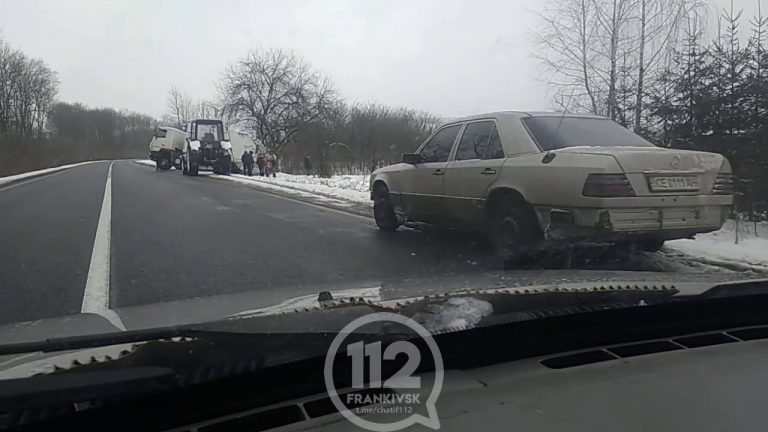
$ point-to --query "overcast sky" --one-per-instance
(448, 57)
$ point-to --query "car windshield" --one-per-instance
(209, 131)
(329, 160)
(552, 133)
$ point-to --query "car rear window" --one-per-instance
(560, 132)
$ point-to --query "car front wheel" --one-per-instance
(383, 210)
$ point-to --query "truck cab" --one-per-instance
(166, 146)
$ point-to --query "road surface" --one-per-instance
(170, 237)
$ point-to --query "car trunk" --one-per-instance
(654, 171)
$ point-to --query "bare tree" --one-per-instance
(613, 17)
(27, 89)
(181, 109)
(659, 25)
(599, 54)
(566, 49)
(273, 93)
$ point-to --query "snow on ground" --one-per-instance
(341, 189)
(751, 251)
(353, 188)
(22, 176)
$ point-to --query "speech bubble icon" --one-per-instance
(431, 420)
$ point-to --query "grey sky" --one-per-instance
(449, 57)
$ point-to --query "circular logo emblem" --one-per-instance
(394, 402)
(675, 162)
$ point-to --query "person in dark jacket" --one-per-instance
(261, 161)
(247, 160)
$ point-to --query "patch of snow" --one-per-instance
(340, 190)
(22, 176)
(352, 188)
(750, 253)
(454, 313)
(294, 192)
(310, 301)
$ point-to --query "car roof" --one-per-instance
(518, 114)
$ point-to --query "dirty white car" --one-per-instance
(526, 177)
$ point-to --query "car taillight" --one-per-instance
(723, 185)
(607, 185)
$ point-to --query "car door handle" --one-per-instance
(488, 171)
(438, 172)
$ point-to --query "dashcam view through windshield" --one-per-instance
(245, 215)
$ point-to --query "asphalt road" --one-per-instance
(173, 237)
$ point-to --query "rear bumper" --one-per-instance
(664, 223)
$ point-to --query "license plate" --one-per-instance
(676, 183)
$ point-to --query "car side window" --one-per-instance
(439, 147)
(474, 140)
(494, 149)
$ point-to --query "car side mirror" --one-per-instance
(411, 158)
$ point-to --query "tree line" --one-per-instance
(296, 111)
(36, 131)
(656, 67)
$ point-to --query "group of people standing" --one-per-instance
(265, 161)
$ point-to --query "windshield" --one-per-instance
(553, 133)
(209, 131)
(327, 160)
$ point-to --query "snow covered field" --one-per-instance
(718, 248)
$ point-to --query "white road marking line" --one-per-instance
(33, 179)
(96, 296)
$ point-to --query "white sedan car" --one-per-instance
(527, 177)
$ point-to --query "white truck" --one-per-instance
(166, 146)
(242, 142)
(206, 146)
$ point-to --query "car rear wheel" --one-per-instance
(383, 210)
(513, 228)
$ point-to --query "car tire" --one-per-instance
(194, 164)
(164, 164)
(226, 166)
(383, 210)
(513, 229)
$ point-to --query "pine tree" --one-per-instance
(730, 63)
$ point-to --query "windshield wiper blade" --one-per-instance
(97, 340)
(148, 335)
